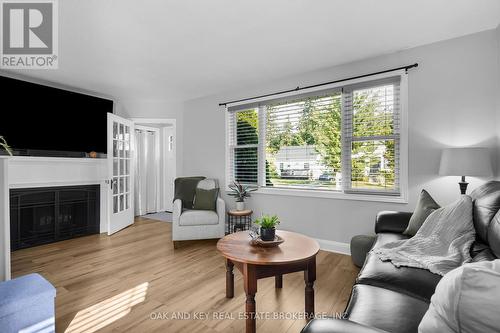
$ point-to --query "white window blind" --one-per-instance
(244, 146)
(344, 139)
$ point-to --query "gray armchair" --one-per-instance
(192, 224)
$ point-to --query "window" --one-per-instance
(372, 137)
(345, 139)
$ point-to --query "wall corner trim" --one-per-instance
(333, 246)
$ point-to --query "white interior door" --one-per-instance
(120, 168)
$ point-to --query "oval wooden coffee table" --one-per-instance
(297, 253)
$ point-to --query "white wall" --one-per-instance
(452, 101)
(498, 99)
(156, 109)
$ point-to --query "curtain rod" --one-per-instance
(406, 68)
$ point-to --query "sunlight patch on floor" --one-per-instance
(108, 311)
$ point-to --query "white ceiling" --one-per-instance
(175, 50)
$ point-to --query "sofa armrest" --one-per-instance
(221, 212)
(332, 325)
(388, 221)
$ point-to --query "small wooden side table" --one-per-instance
(239, 220)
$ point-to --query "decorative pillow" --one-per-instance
(205, 199)
(466, 300)
(425, 206)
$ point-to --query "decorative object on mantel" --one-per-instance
(466, 161)
(267, 227)
(240, 192)
(5, 146)
(93, 154)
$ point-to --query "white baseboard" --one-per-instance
(333, 246)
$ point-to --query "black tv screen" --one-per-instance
(45, 121)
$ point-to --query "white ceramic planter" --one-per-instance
(240, 205)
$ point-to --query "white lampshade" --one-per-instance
(471, 161)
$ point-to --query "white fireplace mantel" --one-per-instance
(4, 220)
(26, 172)
(55, 171)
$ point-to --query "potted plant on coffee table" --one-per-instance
(267, 227)
(240, 192)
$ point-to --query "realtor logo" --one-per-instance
(29, 34)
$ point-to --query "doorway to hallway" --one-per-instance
(155, 162)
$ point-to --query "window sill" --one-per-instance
(330, 195)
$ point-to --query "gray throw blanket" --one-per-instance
(440, 245)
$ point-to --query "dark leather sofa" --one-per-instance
(389, 299)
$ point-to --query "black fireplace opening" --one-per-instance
(50, 214)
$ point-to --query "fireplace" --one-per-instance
(50, 214)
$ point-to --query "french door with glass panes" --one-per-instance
(121, 182)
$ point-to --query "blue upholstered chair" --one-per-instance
(27, 305)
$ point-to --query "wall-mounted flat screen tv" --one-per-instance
(38, 120)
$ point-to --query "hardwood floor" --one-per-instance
(134, 281)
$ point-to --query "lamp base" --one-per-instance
(463, 185)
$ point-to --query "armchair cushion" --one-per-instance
(198, 217)
(205, 199)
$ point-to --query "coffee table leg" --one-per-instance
(250, 283)
(229, 279)
(309, 278)
(278, 281)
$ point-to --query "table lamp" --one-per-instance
(470, 161)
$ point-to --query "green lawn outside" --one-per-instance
(324, 184)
